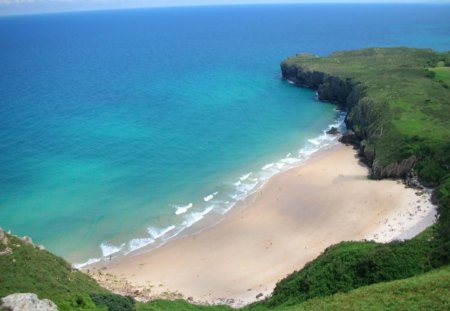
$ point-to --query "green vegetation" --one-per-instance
(399, 106)
(426, 292)
(113, 302)
(167, 305)
(403, 108)
(31, 270)
(349, 265)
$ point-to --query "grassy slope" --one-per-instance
(430, 291)
(29, 269)
(408, 86)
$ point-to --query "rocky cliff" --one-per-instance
(364, 119)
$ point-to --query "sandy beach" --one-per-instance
(286, 224)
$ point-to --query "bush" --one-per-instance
(114, 302)
(349, 265)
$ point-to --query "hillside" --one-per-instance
(398, 102)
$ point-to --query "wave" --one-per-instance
(267, 166)
(108, 249)
(156, 233)
(182, 209)
(210, 197)
(90, 261)
(136, 244)
(244, 177)
(240, 190)
(192, 218)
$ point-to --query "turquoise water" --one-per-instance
(116, 128)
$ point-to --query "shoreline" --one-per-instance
(278, 229)
(194, 219)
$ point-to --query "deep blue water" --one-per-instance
(112, 121)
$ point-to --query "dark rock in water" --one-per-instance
(259, 295)
(350, 138)
(26, 302)
(332, 131)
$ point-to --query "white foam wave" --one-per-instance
(209, 197)
(182, 209)
(108, 249)
(90, 261)
(267, 166)
(156, 233)
(244, 177)
(290, 160)
(136, 244)
(192, 218)
(290, 82)
(288, 155)
(314, 141)
(237, 183)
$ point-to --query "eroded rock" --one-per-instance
(27, 302)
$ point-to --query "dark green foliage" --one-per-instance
(178, 305)
(350, 265)
(441, 254)
(430, 291)
(113, 302)
(433, 157)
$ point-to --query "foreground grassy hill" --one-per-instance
(398, 105)
(29, 269)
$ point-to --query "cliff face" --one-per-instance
(364, 117)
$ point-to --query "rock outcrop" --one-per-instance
(333, 131)
(393, 170)
(364, 117)
(26, 302)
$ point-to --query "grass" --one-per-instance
(442, 75)
(182, 305)
(430, 291)
(30, 270)
(408, 88)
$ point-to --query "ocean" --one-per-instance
(121, 129)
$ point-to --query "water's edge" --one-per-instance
(215, 210)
